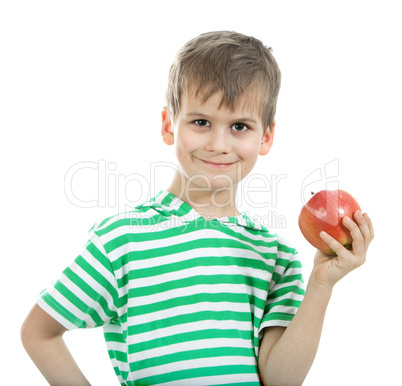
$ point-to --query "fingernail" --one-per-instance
(347, 218)
(359, 213)
(323, 234)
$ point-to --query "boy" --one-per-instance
(188, 290)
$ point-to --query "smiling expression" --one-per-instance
(216, 147)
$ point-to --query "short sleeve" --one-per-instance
(286, 291)
(85, 295)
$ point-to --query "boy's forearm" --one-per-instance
(54, 361)
(292, 356)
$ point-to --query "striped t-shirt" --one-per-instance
(182, 300)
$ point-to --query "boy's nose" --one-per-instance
(218, 142)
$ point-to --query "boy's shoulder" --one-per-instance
(163, 207)
(137, 215)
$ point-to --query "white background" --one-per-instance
(84, 81)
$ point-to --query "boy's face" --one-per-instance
(215, 147)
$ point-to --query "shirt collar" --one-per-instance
(169, 205)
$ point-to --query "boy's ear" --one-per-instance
(167, 127)
(267, 140)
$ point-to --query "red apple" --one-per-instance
(324, 212)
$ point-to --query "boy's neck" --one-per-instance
(208, 203)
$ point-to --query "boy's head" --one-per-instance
(230, 63)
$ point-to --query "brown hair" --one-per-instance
(227, 62)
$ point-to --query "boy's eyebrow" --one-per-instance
(201, 115)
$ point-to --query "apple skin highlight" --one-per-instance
(324, 212)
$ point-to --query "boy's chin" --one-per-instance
(217, 195)
(212, 185)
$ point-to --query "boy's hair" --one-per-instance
(227, 62)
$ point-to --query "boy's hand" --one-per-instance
(297, 344)
(329, 270)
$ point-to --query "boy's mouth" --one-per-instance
(217, 164)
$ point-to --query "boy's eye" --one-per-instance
(239, 127)
(202, 122)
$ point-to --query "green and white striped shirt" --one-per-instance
(182, 300)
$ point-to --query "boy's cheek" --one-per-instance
(187, 143)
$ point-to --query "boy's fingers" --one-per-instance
(356, 233)
(363, 224)
(370, 225)
(336, 246)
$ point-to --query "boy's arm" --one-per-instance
(42, 337)
(286, 354)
